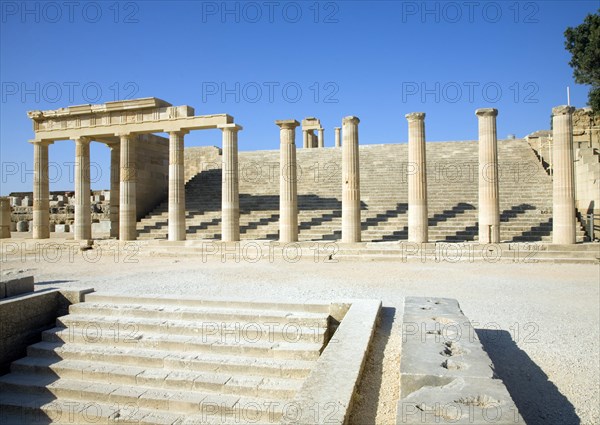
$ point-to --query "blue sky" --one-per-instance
(262, 61)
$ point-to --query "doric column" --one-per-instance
(288, 191)
(115, 168)
(127, 201)
(305, 139)
(417, 179)
(176, 187)
(337, 137)
(321, 139)
(4, 217)
(83, 218)
(230, 200)
(489, 205)
(350, 181)
(41, 191)
(313, 137)
(563, 194)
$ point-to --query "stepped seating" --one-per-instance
(525, 195)
(163, 360)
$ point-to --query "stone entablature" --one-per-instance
(103, 122)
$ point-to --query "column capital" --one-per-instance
(350, 119)
(82, 139)
(486, 112)
(562, 110)
(415, 116)
(337, 128)
(290, 124)
(180, 132)
(41, 142)
(230, 127)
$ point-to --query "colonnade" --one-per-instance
(123, 190)
(488, 178)
(124, 176)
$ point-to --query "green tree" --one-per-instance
(583, 42)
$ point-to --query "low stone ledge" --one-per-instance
(24, 317)
(327, 393)
(445, 374)
(12, 287)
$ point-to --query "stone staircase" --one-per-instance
(525, 195)
(165, 360)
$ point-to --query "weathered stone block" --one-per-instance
(62, 228)
(445, 374)
(101, 227)
(20, 285)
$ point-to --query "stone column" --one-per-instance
(563, 193)
(350, 181)
(115, 167)
(176, 187)
(41, 191)
(4, 217)
(305, 139)
(127, 201)
(489, 205)
(230, 200)
(337, 137)
(288, 190)
(417, 179)
(321, 139)
(83, 218)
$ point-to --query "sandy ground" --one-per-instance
(539, 322)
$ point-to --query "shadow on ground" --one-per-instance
(538, 399)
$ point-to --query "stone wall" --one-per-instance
(23, 317)
(586, 139)
(586, 127)
(152, 155)
(198, 159)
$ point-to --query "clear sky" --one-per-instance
(267, 60)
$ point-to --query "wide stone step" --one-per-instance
(20, 409)
(210, 362)
(162, 301)
(107, 321)
(225, 383)
(160, 341)
(170, 400)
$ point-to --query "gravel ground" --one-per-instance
(539, 322)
